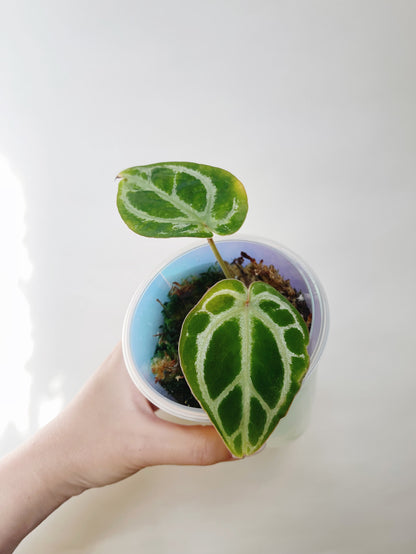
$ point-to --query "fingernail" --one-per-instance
(237, 457)
(251, 455)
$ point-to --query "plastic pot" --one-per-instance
(144, 317)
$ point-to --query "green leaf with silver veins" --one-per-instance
(181, 199)
(244, 354)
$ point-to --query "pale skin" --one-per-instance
(107, 433)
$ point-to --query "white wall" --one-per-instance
(312, 106)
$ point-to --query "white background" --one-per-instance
(312, 105)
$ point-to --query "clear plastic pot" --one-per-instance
(144, 317)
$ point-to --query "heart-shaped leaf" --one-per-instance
(243, 353)
(181, 199)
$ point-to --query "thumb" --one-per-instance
(187, 445)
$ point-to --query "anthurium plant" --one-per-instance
(243, 350)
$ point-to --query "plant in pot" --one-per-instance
(242, 331)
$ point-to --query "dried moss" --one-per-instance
(182, 298)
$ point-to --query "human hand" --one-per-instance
(108, 432)
(111, 431)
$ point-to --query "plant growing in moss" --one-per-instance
(242, 348)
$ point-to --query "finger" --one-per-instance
(188, 445)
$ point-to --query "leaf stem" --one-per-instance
(217, 255)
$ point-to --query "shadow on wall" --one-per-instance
(31, 380)
(61, 312)
(15, 324)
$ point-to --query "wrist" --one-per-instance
(53, 452)
(35, 479)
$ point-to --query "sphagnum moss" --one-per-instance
(185, 295)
